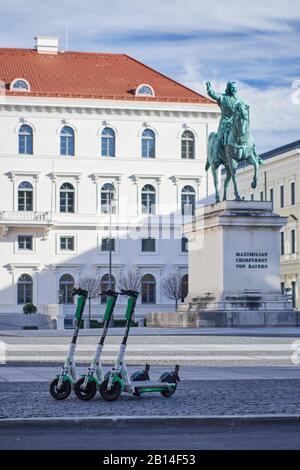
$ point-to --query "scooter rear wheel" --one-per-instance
(113, 393)
(62, 392)
(86, 394)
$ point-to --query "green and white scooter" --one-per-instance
(61, 387)
(119, 381)
(86, 387)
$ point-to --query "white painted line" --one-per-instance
(149, 357)
(154, 347)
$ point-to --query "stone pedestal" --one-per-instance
(234, 266)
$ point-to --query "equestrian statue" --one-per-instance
(232, 143)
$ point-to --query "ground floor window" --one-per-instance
(105, 285)
(293, 286)
(184, 287)
(66, 286)
(148, 285)
(25, 289)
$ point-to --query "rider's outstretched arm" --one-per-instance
(212, 93)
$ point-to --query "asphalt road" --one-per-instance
(168, 436)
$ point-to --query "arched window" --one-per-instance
(67, 198)
(25, 140)
(184, 286)
(148, 289)
(144, 90)
(148, 144)
(108, 142)
(66, 286)
(188, 200)
(25, 285)
(25, 196)
(105, 285)
(67, 145)
(188, 145)
(108, 199)
(148, 199)
(20, 84)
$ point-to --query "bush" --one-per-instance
(29, 308)
(121, 323)
(116, 323)
(96, 324)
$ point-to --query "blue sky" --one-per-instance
(254, 43)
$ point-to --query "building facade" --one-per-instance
(76, 128)
(279, 182)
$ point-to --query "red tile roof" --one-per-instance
(89, 75)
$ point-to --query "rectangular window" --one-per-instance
(281, 196)
(148, 148)
(25, 242)
(282, 243)
(184, 245)
(294, 294)
(293, 194)
(68, 323)
(25, 145)
(261, 195)
(252, 197)
(271, 195)
(293, 241)
(148, 245)
(25, 201)
(67, 243)
(105, 244)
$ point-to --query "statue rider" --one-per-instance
(227, 102)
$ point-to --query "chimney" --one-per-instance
(46, 44)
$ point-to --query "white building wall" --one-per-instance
(46, 169)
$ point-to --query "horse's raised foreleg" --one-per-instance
(253, 161)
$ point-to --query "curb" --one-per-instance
(192, 419)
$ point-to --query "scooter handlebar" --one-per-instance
(80, 291)
(110, 293)
(130, 293)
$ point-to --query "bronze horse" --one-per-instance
(238, 147)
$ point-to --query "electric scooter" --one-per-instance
(61, 387)
(86, 387)
(118, 380)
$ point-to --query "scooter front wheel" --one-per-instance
(113, 393)
(62, 392)
(169, 393)
(85, 394)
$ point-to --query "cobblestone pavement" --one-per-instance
(218, 397)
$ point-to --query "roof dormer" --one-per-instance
(144, 90)
(19, 84)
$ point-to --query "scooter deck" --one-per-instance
(151, 384)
